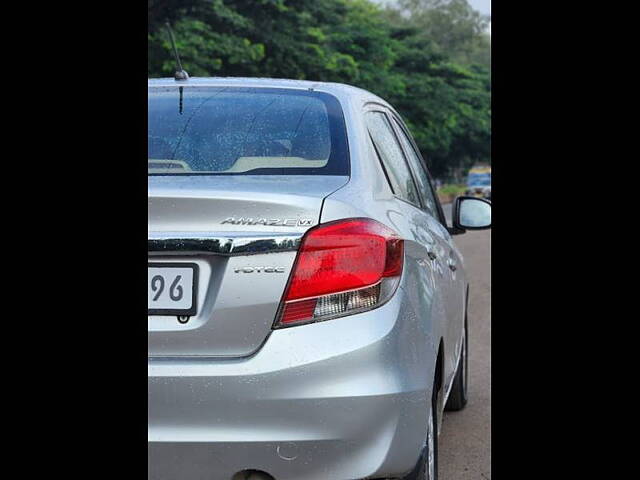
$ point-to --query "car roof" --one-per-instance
(342, 91)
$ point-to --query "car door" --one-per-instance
(452, 280)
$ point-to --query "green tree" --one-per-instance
(457, 29)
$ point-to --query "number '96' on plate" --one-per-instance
(172, 288)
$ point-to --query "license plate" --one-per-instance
(172, 288)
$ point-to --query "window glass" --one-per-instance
(250, 131)
(391, 156)
(419, 171)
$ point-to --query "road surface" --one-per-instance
(465, 440)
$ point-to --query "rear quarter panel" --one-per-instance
(368, 195)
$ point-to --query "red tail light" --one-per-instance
(342, 268)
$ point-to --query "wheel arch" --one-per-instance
(438, 383)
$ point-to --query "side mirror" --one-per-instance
(471, 213)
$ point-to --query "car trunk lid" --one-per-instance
(242, 233)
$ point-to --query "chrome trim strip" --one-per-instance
(229, 244)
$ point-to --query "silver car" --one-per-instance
(307, 305)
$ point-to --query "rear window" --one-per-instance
(245, 131)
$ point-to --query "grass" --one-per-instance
(452, 189)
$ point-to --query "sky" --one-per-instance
(483, 6)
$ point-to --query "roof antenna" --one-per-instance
(180, 74)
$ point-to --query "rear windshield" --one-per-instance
(250, 131)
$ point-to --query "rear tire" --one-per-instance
(427, 466)
(458, 394)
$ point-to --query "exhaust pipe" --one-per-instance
(252, 475)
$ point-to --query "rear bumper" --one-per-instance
(343, 399)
